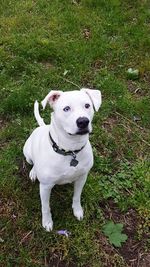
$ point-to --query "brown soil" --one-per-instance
(132, 251)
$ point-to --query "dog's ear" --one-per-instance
(51, 98)
(95, 96)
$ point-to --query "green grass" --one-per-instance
(39, 41)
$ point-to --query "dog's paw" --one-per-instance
(48, 225)
(32, 175)
(78, 213)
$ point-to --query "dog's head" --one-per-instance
(74, 110)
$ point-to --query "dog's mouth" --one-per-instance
(81, 132)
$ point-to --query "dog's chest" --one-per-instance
(52, 167)
(57, 168)
(70, 173)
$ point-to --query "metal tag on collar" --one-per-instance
(74, 162)
(55, 147)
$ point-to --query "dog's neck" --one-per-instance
(64, 140)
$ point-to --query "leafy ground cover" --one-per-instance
(66, 45)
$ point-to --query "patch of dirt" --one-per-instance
(109, 255)
(147, 78)
(3, 124)
(145, 261)
(11, 210)
(132, 251)
(8, 209)
(46, 64)
(98, 64)
(86, 33)
(110, 123)
(135, 90)
(24, 169)
(55, 259)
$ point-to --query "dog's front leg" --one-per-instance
(76, 205)
(45, 191)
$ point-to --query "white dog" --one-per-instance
(61, 152)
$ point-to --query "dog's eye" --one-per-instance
(66, 109)
(87, 105)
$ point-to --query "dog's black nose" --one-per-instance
(82, 122)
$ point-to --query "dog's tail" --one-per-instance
(39, 120)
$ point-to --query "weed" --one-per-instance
(114, 233)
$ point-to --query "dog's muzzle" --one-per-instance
(82, 124)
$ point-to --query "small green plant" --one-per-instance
(114, 233)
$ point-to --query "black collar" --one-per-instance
(63, 152)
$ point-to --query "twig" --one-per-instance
(143, 140)
(68, 81)
(129, 191)
(22, 240)
(139, 258)
(75, 2)
(126, 127)
(129, 120)
(46, 263)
